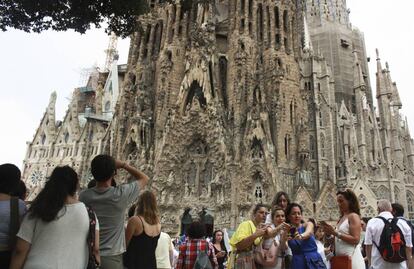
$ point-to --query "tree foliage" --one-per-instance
(78, 15)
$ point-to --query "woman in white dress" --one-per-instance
(348, 231)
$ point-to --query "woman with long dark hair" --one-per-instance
(281, 199)
(348, 231)
(219, 248)
(54, 233)
(302, 241)
(142, 234)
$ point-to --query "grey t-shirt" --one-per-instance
(110, 205)
(5, 221)
(61, 243)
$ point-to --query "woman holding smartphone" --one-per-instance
(248, 234)
(302, 241)
(219, 248)
(348, 231)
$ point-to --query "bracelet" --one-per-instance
(301, 236)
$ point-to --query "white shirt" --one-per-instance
(373, 234)
(60, 243)
(321, 251)
(162, 252)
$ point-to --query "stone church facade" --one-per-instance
(224, 103)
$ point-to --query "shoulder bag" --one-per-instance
(245, 259)
(92, 263)
(266, 257)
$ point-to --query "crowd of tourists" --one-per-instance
(66, 228)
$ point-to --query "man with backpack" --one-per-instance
(388, 240)
(196, 252)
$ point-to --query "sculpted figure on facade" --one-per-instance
(224, 110)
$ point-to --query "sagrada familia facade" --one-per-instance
(225, 102)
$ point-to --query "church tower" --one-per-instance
(212, 106)
(332, 34)
(319, 12)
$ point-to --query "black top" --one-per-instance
(220, 260)
(140, 252)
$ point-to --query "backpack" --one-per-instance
(203, 261)
(392, 242)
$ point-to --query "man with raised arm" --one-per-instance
(110, 204)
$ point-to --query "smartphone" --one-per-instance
(263, 225)
(292, 232)
(323, 223)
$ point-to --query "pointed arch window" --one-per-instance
(277, 19)
(410, 204)
(66, 137)
(383, 192)
(312, 147)
(323, 151)
(396, 194)
(107, 106)
(258, 194)
(287, 146)
(43, 139)
(260, 22)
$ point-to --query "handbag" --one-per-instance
(266, 257)
(92, 263)
(341, 262)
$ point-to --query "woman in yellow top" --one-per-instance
(248, 233)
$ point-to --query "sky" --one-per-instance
(34, 65)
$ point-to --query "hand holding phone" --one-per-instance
(323, 223)
(292, 232)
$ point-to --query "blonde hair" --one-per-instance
(147, 208)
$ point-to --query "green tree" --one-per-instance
(78, 15)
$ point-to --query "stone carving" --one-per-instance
(222, 141)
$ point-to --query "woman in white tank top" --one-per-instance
(348, 231)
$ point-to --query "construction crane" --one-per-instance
(111, 52)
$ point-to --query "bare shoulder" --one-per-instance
(354, 217)
(309, 223)
(135, 220)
